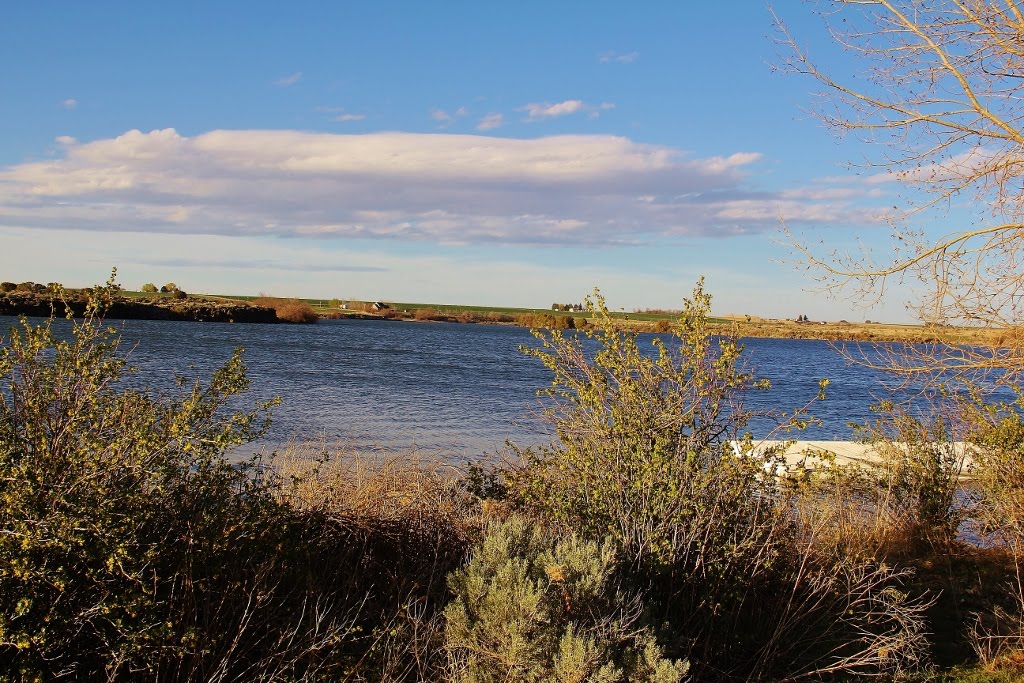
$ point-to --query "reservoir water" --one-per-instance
(454, 389)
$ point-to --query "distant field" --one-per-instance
(744, 326)
(458, 308)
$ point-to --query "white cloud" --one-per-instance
(570, 189)
(445, 118)
(544, 110)
(441, 116)
(349, 117)
(538, 111)
(618, 57)
(69, 103)
(491, 121)
(289, 80)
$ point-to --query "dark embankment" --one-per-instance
(123, 308)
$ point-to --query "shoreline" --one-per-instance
(190, 309)
(815, 454)
(211, 308)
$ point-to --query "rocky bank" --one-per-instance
(194, 309)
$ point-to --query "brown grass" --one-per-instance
(399, 486)
(406, 522)
(289, 310)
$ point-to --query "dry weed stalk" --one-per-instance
(395, 486)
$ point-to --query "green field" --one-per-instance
(325, 304)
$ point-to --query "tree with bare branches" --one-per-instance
(942, 94)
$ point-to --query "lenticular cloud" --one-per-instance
(573, 189)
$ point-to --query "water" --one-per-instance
(461, 390)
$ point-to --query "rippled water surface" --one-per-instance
(460, 389)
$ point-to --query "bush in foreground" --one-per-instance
(645, 453)
(132, 548)
(532, 607)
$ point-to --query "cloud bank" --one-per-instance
(443, 188)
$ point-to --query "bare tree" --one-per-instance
(942, 93)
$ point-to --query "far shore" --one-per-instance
(242, 308)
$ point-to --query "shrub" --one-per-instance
(7, 287)
(296, 312)
(646, 454)
(169, 287)
(27, 286)
(532, 607)
(149, 288)
(289, 310)
(132, 547)
(179, 295)
(546, 320)
(644, 441)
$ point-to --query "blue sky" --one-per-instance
(450, 152)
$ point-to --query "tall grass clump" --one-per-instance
(704, 535)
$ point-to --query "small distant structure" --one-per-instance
(379, 306)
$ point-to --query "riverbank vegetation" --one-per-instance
(289, 310)
(637, 546)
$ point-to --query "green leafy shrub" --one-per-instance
(650, 452)
(169, 287)
(645, 442)
(532, 607)
(149, 288)
(132, 547)
(7, 287)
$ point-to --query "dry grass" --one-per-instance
(868, 332)
(406, 522)
(289, 310)
(842, 509)
(405, 486)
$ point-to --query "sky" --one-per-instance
(513, 154)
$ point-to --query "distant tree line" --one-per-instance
(28, 286)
